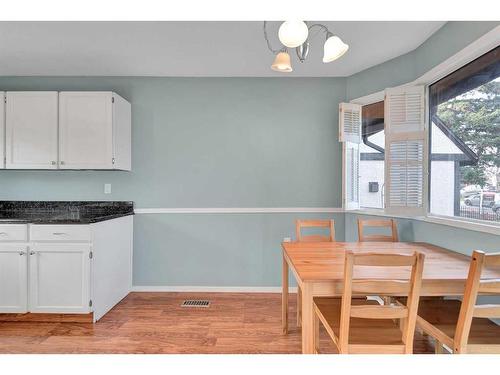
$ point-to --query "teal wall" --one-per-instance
(444, 43)
(461, 240)
(233, 142)
(447, 41)
(208, 142)
(214, 249)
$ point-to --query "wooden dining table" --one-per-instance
(318, 268)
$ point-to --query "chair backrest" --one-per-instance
(410, 288)
(473, 287)
(390, 223)
(328, 224)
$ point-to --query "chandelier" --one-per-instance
(297, 34)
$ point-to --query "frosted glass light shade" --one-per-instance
(333, 49)
(282, 63)
(293, 33)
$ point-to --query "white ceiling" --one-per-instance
(211, 49)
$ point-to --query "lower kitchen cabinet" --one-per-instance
(13, 278)
(59, 275)
(65, 269)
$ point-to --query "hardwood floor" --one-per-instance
(155, 323)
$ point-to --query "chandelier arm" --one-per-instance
(322, 27)
(274, 51)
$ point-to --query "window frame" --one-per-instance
(367, 100)
(468, 54)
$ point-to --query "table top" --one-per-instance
(324, 261)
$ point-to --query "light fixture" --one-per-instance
(295, 34)
(334, 48)
(282, 62)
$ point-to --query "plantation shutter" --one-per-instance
(351, 176)
(405, 150)
(350, 122)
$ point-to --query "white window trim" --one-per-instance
(471, 52)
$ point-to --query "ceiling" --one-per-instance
(193, 49)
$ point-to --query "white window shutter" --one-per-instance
(351, 176)
(349, 122)
(405, 150)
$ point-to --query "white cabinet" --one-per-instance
(73, 269)
(65, 130)
(31, 122)
(2, 129)
(13, 278)
(94, 131)
(59, 278)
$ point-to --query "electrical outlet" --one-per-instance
(287, 239)
(107, 188)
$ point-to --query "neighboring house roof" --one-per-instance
(467, 156)
(471, 156)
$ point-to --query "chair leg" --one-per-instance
(299, 307)
(316, 334)
(438, 347)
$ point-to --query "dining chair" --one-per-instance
(301, 224)
(364, 326)
(326, 224)
(390, 224)
(465, 327)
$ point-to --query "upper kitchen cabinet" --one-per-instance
(31, 130)
(2, 129)
(94, 131)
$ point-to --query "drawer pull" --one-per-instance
(32, 253)
(21, 253)
(59, 233)
(3, 233)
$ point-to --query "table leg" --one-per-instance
(307, 319)
(284, 296)
(299, 307)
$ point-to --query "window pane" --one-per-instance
(371, 168)
(465, 141)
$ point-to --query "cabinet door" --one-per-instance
(2, 129)
(31, 130)
(86, 130)
(13, 278)
(59, 278)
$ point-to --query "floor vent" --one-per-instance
(195, 303)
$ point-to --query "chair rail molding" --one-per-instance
(238, 210)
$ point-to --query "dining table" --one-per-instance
(318, 268)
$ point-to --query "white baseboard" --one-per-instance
(210, 289)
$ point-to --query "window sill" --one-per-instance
(442, 220)
(477, 226)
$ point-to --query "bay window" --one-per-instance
(464, 113)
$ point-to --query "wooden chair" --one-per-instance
(364, 326)
(464, 327)
(299, 225)
(391, 224)
(328, 224)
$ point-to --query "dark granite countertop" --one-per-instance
(62, 212)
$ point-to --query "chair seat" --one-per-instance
(363, 332)
(443, 315)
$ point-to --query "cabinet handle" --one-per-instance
(59, 233)
(3, 233)
(32, 253)
(62, 162)
(53, 162)
(22, 253)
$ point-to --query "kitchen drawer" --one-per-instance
(54, 233)
(13, 232)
